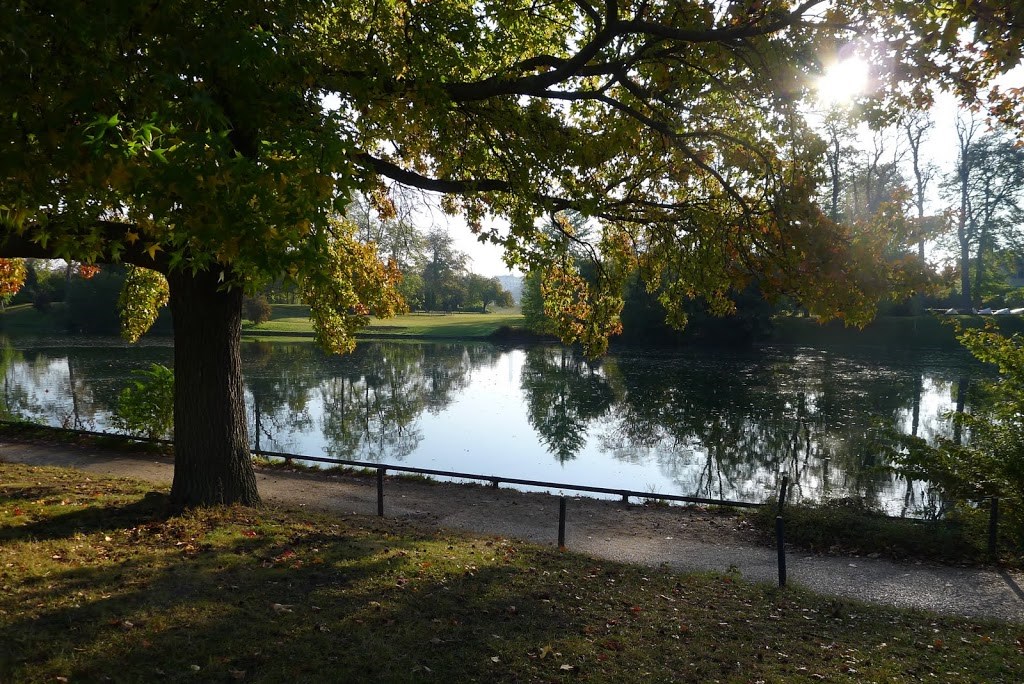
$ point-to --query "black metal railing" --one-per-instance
(382, 469)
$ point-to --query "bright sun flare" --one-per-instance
(843, 81)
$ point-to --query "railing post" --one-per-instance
(783, 491)
(256, 414)
(380, 491)
(561, 523)
(993, 526)
(780, 543)
(780, 531)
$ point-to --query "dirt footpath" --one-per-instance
(684, 539)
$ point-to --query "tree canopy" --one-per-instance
(216, 142)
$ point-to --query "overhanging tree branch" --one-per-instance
(19, 244)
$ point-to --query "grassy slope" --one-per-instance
(294, 320)
(98, 582)
(290, 322)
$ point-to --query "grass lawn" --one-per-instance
(100, 583)
(294, 320)
(290, 323)
(27, 320)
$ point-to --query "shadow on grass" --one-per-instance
(152, 507)
(126, 593)
(344, 606)
(325, 608)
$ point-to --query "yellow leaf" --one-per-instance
(131, 237)
(152, 250)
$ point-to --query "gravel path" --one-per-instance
(679, 538)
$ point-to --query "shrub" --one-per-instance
(146, 407)
(41, 302)
(257, 309)
(991, 462)
(851, 526)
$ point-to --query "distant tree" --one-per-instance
(257, 309)
(43, 284)
(987, 187)
(959, 185)
(532, 305)
(388, 223)
(483, 291)
(91, 304)
(916, 125)
(997, 193)
(874, 181)
(282, 291)
(837, 132)
(444, 288)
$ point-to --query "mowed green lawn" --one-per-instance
(294, 319)
(27, 320)
(290, 322)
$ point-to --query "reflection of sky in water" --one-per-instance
(714, 424)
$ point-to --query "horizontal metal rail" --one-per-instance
(495, 480)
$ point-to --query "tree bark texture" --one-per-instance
(212, 461)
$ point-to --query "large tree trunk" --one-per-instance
(212, 463)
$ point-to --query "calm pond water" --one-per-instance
(714, 423)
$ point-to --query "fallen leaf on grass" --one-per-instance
(281, 608)
(288, 553)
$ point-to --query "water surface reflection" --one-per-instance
(720, 424)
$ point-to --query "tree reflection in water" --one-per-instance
(719, 424)
(565, 393)
(373, 399)
(726, 426)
